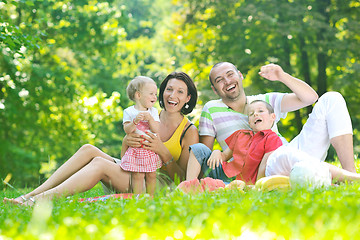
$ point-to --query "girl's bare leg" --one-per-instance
(80, 159)
(150, 181)
(137, 182)
(342, 175)
(99, 169)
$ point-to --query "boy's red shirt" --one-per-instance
(248, 150)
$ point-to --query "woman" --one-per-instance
(89, 165)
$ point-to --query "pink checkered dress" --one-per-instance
(139, 159)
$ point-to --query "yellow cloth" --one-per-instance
(173, 144)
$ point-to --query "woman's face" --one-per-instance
(175, 95)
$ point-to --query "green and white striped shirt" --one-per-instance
(220, 121)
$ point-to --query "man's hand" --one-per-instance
(272, 72)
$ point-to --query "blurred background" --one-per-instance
(65, 65)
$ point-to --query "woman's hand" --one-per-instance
(133, 140)
(153, 143)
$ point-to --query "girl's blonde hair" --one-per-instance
(136, 85)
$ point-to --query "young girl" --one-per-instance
(139, 118)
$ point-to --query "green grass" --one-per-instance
(332, 213)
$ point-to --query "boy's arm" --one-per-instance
(227, 154)
(262, 166)
(217, 157)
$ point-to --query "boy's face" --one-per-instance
(259, 117)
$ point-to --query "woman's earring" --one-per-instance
(186, 106)
(160, 102)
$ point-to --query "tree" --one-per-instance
(309, 39)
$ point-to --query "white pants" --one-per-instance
(329, 118)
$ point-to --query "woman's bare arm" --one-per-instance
(191, 137)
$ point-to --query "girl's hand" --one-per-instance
(139, 117)
(147, 116)
(215, 159)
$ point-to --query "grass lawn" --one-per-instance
(332, 213)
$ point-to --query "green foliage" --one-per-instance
(313, 40)
(49, 108)
(65, 65)
(302, 214)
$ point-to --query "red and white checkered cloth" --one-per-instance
(140, 160)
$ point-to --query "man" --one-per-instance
(220, 118)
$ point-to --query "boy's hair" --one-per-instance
(268, 106)
(136, 85)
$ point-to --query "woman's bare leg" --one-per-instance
(80, 159)
(137, 182)
(193, 167)
(150, 181)
(99, 169)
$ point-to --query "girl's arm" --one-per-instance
(154, 125)
(129, 127)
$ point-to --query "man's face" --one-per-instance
(227, 82)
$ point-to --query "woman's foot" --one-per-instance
(30, 202)
(19, 200)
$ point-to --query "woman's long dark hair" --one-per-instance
(192, 91)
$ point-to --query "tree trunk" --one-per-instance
(287, 66)
(304, 65)
(322, 8)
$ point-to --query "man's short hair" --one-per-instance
(217, 65)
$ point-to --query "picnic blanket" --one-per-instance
(105, 197)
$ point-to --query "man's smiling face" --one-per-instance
(226, 81)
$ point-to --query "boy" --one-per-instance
(249, 148)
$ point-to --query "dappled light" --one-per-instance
(65, 65)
